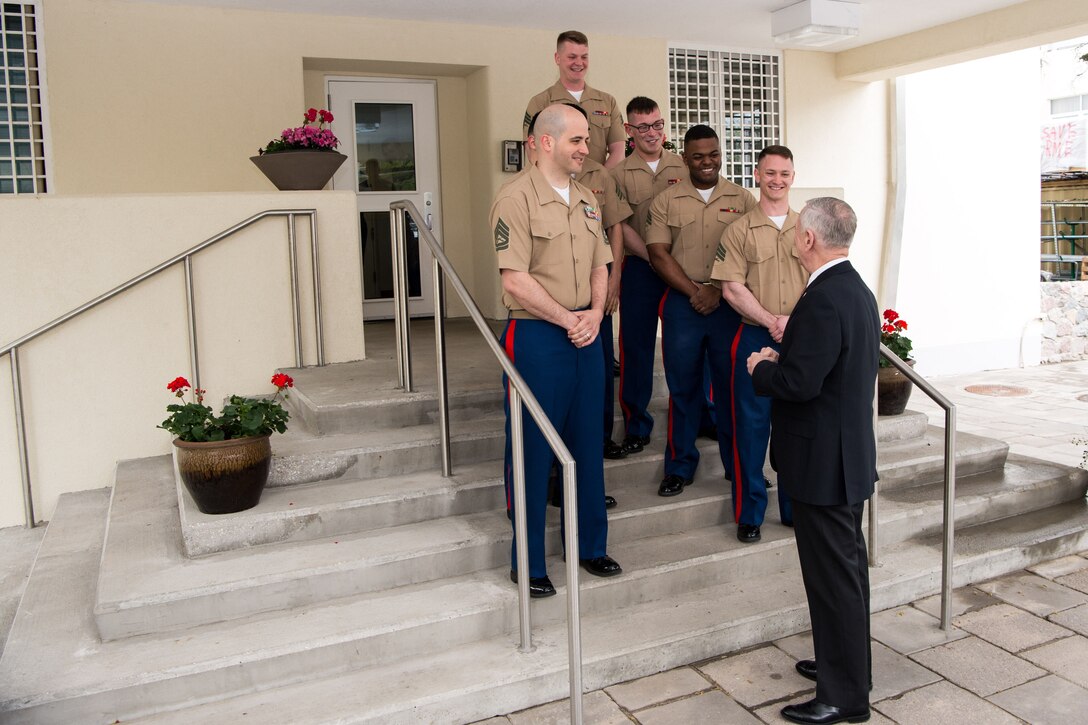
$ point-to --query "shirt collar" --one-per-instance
(823, 268)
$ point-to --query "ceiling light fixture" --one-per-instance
(816, 23)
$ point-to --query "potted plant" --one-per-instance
(893, 388)
(302, 158)
(223, 460)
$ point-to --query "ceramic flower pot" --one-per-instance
(225, 477)
(299, 170)
(892, 390)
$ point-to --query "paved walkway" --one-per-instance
(1018, 648)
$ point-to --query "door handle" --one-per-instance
(428, 200)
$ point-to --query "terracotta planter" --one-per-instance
(299, 170)
(225, 477)
(892, 390)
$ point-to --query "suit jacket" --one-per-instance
(822, 440)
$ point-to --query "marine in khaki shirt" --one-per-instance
(537, 233)
(756, 253)
(606, 135)
(640, 184)
(693, 227)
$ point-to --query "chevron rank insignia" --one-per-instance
(528, 119)
(719, 255)
(502, 236)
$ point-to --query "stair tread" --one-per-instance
(421, 686)
(1019, 472)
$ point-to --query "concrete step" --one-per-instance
(636, 640)
(1022, 486)
(919, 461)
(148, 584)
(350, 503)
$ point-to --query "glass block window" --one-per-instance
(736, 94)
(22, 144)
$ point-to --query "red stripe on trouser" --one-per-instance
(737, 479)
(623, 408)
(510, 354)
(664, 364)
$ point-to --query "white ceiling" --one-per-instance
(741, 24)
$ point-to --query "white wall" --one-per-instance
(94, 390)
(969, 270)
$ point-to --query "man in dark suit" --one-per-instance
(824, 449)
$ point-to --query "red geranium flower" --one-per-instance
(176, 385)
(891, 315)
(311, 115)
(326, 116)
(900, 324)
(281, 381)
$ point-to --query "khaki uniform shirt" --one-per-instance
(755, 252)
(605, 119)
(640, 185)
(596, 178)
(558, 245)
(678, 216)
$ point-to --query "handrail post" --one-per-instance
(398, 333)
(574, 626)
(401, 260)
(296, 309)
(190, 313)
(319, 336)
(948, 546)
(20, 433)
(440, 357)
(521, 539)
(874, 500)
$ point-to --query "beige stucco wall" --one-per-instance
(838, 132)
(94, 389)
(189, 93)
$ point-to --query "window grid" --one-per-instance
(736, 94)
(22, 136)
(1068, 105)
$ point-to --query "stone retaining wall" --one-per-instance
(1065, 321)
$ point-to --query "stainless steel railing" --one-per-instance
(11, 349)
(519, 395)
(949, 484)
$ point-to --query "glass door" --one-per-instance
(389, 131)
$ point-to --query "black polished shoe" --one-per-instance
(601, 566)
(672, 485)
(818, 713)
(539, 586)
(807, 668)
(767, 483)
(610, 503)
(615, 368)
(614, 451)
(635, 444)
(748, 533)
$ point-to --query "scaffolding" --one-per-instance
(1064, 239)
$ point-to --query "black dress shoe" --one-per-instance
(539, 586)
(818, 713)
(615, 368)
(635, 444)
(672, 485)
(767, 483)
(748, 533)
(609, 502)
(614, 451)
(807, 668)
(601, 566)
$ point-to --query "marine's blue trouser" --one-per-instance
(751, 415)
(568, 383)
(640, 294)
(690, 342)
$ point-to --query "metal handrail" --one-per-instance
(519, 394)
(949, 483)
(12, 348)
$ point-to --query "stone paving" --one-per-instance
(1018, 647)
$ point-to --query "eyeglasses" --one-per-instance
(658, 125)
